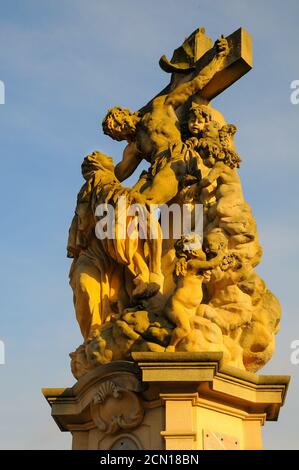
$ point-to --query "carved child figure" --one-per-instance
(230, 307)
(192, 270)
(220, 189)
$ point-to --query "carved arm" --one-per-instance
(183, 91)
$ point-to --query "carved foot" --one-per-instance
(144, 290)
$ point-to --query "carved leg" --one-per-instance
(86, 284)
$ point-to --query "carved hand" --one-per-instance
(205, 182)
(138, 198)
(192, 193)
(222, 49)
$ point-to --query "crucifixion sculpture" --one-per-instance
(192, 292)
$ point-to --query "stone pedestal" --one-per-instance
(172, 401)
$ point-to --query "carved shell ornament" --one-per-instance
(114, 408)
(107, 389)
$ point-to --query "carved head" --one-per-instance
(120, 123)
(189, 246)
(199, 116)
(226, 135)
(96, 161)
(215, 242)
(211, 131)
(207, 275)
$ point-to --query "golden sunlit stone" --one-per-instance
(190, 314)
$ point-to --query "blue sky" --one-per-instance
(64, 63)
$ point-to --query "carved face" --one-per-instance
(199, 117)
(207, 275)
(196, 123)
(215, 242)
(211, 130)
(190, 246)
(119, 124)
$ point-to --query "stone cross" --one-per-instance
(196, 52)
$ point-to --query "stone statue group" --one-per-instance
(171, 293)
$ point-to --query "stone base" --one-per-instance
(172, 401)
